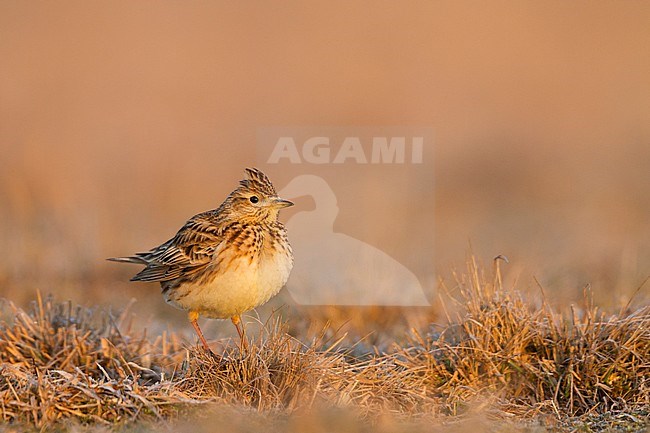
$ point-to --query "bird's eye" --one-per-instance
(254, 199)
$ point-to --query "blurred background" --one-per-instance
(120, 120)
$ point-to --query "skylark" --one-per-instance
(225, 261)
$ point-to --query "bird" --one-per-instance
(226, 261)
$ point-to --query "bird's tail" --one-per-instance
(131, 259)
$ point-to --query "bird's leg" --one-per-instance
(194, 316)
(236, 320)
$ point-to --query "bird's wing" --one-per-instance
(190, 251)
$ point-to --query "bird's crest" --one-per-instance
(257, 181)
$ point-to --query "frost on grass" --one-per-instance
(497, 356)
(60, 361)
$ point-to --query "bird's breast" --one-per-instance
(236, 283)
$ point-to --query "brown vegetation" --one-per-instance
(497, 359)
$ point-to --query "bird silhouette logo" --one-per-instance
(337, 269)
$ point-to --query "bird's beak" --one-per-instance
(280, 203)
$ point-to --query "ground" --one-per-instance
(500, 363)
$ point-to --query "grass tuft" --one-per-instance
(61, 362)
(536, 359)
(275, 372)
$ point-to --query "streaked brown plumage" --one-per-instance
(225, 261)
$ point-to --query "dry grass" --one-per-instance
(535, 360)
(61, 362)
(498, 358)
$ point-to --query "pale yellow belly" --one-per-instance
(242, 287)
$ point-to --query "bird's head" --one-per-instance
(255, 200)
